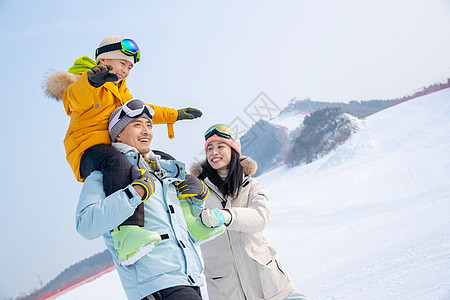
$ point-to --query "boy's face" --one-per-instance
(121, 67)
(138, 134)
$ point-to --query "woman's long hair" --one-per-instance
(232, 183)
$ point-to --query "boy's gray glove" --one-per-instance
(188, 113)
(100, 74)
(144, 179)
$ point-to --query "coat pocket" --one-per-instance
(166, 257)
(273, 278)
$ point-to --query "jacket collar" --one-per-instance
(162, 168)
(124, 148)
(249, 166)
(115, 89)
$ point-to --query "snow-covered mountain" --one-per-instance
(285, 139)
(368, 221)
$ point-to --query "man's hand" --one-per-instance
(143, 179)
(214, 217)
(188, 113)
(100, 74)
(192, 187)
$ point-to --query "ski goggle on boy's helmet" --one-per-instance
(224, 131)
(132, 108)
(127, 46)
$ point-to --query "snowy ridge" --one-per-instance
(368, 221)
(289, 121)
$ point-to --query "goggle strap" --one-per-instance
(149, 113)
(116, 46)
(108, 48)
(114, 121)
(122, 114)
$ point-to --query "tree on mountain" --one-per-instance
(322, 131)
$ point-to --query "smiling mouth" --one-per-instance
(215, 159)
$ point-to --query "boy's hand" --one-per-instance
(100, 74)
(188, 113)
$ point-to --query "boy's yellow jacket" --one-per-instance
(89, 109)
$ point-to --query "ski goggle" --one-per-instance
(224, 131)
(132, 108)
(127, 46)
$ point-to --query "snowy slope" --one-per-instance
(290, 121)
(369, 221)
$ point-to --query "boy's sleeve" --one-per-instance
(165, 115)
(79, 95)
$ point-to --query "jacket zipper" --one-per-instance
(237, 270)
(224, 203)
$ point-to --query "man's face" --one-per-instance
(121, 67)
(138, 134)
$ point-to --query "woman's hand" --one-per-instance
(214, 217)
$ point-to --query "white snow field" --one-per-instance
(369, 221)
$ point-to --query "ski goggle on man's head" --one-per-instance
(133, 108)
(127, 46)
(224, 131)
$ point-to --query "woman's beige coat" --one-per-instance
(240, 264)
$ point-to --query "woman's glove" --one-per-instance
(100, 74)
(188, 113)
(214, 217)
(142, 178)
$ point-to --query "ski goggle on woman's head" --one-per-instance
(127, 46)
(133, 108)
(224, 131)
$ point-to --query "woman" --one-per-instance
(239, 264)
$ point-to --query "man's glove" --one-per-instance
(100, 74)
(188, 113)
(192, 187)
(214, 217)
(143, 178)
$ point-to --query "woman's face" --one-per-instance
(218, 155)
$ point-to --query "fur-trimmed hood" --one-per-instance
(249, 167)
(57, 82)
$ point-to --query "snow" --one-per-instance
(369, 221)
(290, 121)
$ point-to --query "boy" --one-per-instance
(90, 92)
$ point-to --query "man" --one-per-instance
(172, 269)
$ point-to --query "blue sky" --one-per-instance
(214, 55)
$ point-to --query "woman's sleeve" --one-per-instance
(97, 214)
(255, 216)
